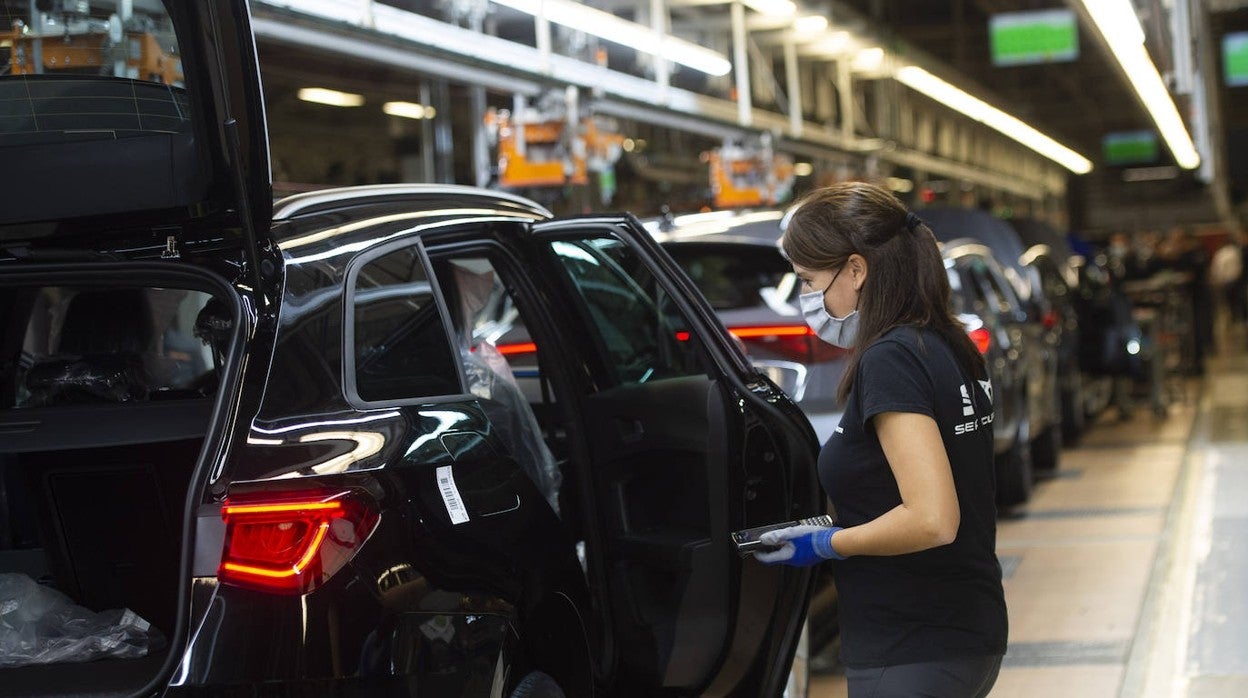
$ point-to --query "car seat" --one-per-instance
(100, 355)
(488, 376)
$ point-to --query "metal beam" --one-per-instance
(436, 48)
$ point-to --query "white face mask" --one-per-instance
(837, 331)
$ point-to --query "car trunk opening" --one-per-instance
(107, 394)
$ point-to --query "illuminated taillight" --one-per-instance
(1051, 319)
(291, 543)
(794, 342)
(982, 339)
(518, 348)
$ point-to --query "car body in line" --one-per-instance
(297, 439)
(1050, 255)
(733, 258)
(982, 300)
(1040, 333)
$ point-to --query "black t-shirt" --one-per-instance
(945, 602)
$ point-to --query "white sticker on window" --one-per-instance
(450, 495)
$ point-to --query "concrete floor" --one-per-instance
(1127, 574)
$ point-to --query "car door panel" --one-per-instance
(668, 469)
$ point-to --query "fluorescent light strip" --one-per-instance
(1117, 22)
(625, 33)
(334, 98)
(922, 81)
(408, 110)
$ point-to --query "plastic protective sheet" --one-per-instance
(489, 377)
(118, 378)
(40, 625)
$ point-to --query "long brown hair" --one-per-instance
(906, 279)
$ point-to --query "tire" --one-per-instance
(1074, 418)
(1014, 473)
(537, 685)
(1046, 452)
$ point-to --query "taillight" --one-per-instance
(517, 348)
(1051, 319)
(794, 342)
(291, 543)
(982, 339)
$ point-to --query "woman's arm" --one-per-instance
(928, 515)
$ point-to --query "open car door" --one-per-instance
(687, 444)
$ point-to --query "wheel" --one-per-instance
(1014, 472)
(537, 685)
(1046, 450)
(1074, 419)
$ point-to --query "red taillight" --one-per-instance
(982, 339)
(793, 342)
(1051, 319)
(291, 543)
(520, 348)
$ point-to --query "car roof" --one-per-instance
(763, 223)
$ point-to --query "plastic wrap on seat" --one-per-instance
(40, 625)
(71, 380)
(488, 376)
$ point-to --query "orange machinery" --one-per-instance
(742, 177)
(544, 152)
(145, 58)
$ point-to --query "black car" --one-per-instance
(1030, 316)
(399, 440)
(733, 258)
(1050, 255)
(984, 301)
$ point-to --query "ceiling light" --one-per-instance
(833, 44)
(407, 110)
(810, 24)
(922, 81)
(868, 60)
(1117, 23)
(605, 25)
(803, 169)
(772, 8)
(334, 98)
(900, 185)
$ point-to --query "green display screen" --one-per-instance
(1130, 148)
(1044, 36)
(1235, 59)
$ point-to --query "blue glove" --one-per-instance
(800, 546)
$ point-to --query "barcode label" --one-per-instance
(450, 495)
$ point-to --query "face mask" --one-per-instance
(837, 331)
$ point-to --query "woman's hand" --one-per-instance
(799, 546)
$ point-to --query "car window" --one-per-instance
(103, 77)
(734, 277)
(489, 328)
(638, 326)
(994, 288)
(114, 344)
(401, 346)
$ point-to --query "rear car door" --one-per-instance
(687, 443)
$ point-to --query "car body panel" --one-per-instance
(735, 262)
(1024, 293)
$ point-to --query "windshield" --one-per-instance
(95, 118)
(88, 69)
(734, 277)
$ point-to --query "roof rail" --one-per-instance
(309, 202)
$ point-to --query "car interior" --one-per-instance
(90, 501)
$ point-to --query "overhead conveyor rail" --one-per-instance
(911, 131)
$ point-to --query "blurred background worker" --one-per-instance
(1226, 273)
